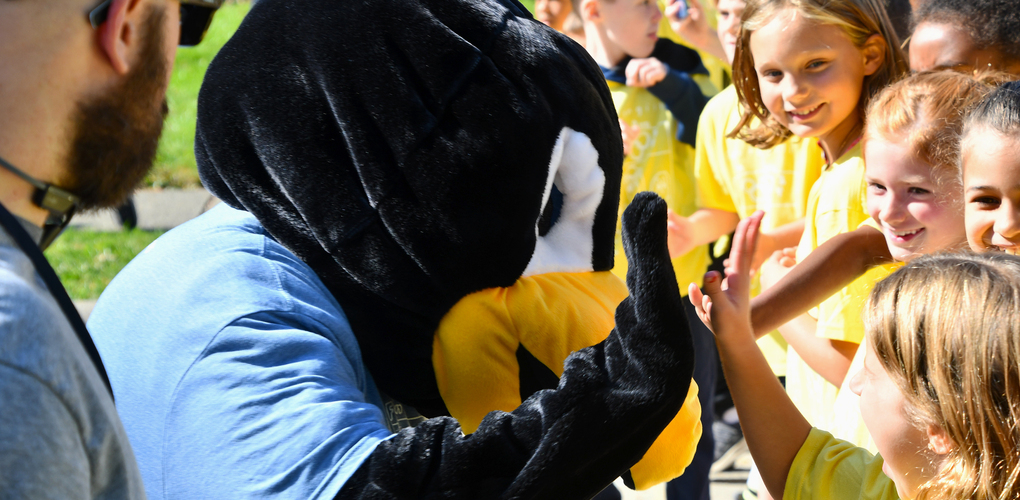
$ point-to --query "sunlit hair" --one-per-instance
(926, 112)
(945, 327)
(859, 19)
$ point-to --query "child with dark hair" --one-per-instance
(966, 35)
(899, 12)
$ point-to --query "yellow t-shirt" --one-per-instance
(660, 163)
(737, 177)
(846, 422)
(837, 204)
(826, 467)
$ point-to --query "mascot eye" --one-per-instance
(551, 212)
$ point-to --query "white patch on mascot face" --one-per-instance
(574, 170)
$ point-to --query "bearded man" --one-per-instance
(82, 103)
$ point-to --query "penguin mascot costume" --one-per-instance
(449, 170)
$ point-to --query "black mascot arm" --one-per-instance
(612, 401)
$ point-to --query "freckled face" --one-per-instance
(917, 214)
(810, 75)
(991, 188)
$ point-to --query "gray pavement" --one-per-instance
(156, 208)
(165, 209)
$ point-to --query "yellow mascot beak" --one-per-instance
(480, 342)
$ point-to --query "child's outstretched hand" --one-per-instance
(727, 311)
(645, 72)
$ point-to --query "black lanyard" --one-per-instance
(49, 277)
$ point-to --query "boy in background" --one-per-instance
(658, 102)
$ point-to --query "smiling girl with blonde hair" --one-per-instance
(809, 68)
(940, 388)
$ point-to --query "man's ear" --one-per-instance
(120, 33)
(874, 50)
(938, 441)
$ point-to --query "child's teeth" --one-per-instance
(808, 112)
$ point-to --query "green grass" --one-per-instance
(86, 261)
(175, 159)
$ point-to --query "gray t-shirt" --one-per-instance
(60, 436)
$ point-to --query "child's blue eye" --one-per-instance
(876, 186)
(815, 64)
(917, 190)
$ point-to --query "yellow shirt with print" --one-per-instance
(837, 204)
(660, 163)
(736, 177)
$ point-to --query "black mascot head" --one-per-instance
(412, 153)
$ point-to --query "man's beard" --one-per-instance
(115, 135)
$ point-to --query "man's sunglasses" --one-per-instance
(195, 18)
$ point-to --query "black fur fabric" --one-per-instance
(401, 149)
(570, 442)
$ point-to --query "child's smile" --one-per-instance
(810, 76)
(804, 114)
(916, 214)
(991, 177)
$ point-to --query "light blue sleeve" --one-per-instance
(273, 408)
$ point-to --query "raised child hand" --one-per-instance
(645, 72)
(727, 311)
(695, 28)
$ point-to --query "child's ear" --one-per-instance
(590, 10)
(938, 441)
(874, 53)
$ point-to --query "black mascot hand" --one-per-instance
(570, 442)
